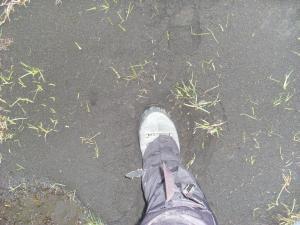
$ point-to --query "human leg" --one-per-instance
(172, 193)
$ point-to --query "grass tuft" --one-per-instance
(4, 133)
(92, 220)
(105, 6)
(34, 72)
(9, 7)
(187, 91)
(135, 71)
(297, 136)
(91, 141)
(213, 129)
(20, 98)
(290, 219)
(288, 216)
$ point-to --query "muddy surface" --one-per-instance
(240, 51)
(40, 203)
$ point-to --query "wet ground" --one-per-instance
(245, 52)
(41, 203)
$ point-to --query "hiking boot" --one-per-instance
(156, 122)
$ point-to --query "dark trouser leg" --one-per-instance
(188, 199)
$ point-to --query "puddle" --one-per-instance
(42, 204)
